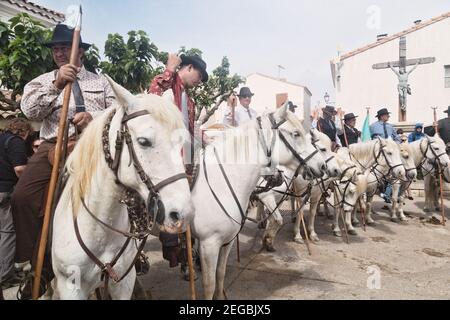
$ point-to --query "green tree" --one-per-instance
(23, 56)
(131, 64)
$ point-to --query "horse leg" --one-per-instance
(298, 221)
(272, 228)
(400, 208)
(428, 191)
(260, 214)
(395, 191)
(65, 289)
(209, 255)
(348, 222)
(369, 219)
(221, 271)
(311, 221)
(124, 289)
(336, 230)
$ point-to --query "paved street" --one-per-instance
(413, 259)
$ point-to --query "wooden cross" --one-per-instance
(402, 74)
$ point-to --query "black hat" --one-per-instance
(349, 116)
(448, 111)
(382, 112)
(330, 110)
(245, 92)
(292, 105)
(63, 34)
(198, 64)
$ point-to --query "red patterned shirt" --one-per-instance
(171, 80)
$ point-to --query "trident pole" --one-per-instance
(57, 158)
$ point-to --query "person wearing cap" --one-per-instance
(243, 111)
(382, 128)
(181, 73)
(329, 125)
(417, 134)
(352, 134)
(42, 100)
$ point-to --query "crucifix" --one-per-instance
(403, 86)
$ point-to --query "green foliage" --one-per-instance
(220, 85)
(23, 56)
(91, 59)
(131, 64)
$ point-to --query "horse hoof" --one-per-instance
(426, 210)
(404, 219)
(314, 238)
(356, 223)
(394, 220)
(370, 223)
(337, 234)
(352, 232)
(299, 240)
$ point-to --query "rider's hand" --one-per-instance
(82, 119)
(173, 62)
(67, 73)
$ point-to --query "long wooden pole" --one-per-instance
(441, 181)
(55, 168)
(302, 221)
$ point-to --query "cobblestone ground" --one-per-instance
(388, 261)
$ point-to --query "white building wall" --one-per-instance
(361, 86)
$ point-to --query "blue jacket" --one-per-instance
(376, 129)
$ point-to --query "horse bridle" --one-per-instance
(437, 158)
(154, 204)
(155, 207)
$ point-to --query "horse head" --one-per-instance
(388, 155)
(293, 146)
(408, 161)
(149, 158)
(323, 144)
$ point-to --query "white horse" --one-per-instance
(217, 225)
(347, 189)
(272, 199)
(377, 159)
(93, 191)
(400, 187)
(427, 153)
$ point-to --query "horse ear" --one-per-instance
(281, 113)
(123, 96)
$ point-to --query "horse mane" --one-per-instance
(363, 151)
(83, 162)
(236, 142)
(323, 138)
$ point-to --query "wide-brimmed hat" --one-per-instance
(63, 34)
(198, 64)
(330, 110)
(448, 110)
(349, 116)
(382, 112)
(245, 92)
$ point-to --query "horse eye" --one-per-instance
(389, 153)
(296, 134)
(323, 150)
(144, 142)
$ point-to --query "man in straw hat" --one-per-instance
(42, 101)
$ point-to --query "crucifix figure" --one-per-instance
(403, 87)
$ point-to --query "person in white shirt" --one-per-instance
(242, 112)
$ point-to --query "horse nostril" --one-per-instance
(175, 216)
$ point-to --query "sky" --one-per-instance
(257, 35)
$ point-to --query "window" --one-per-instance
(447, 76)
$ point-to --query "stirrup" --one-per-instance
(28, 280)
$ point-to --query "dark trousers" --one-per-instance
(28, 204)
(7, 237)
